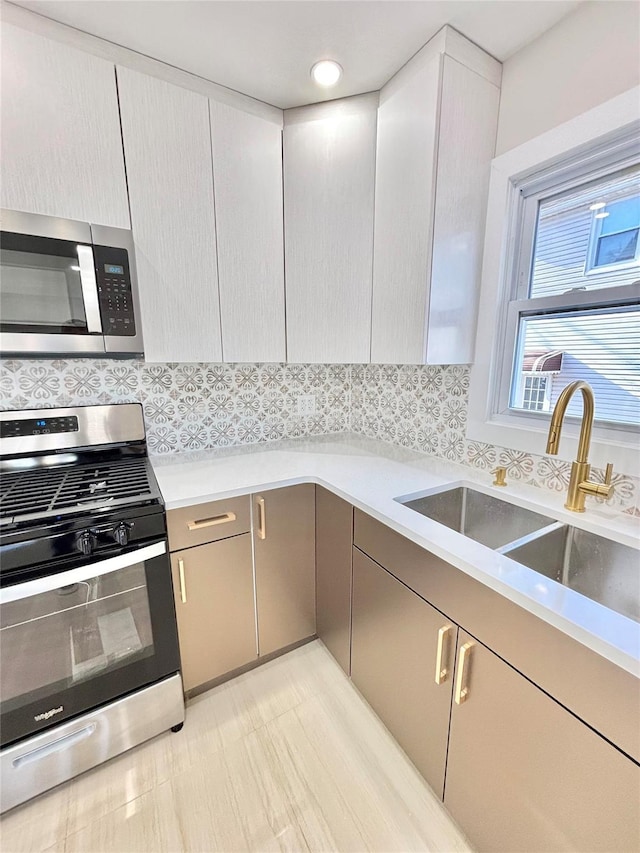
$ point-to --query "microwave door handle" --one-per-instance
(94, 570)
(89, 289)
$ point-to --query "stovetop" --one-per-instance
(72, 465)
(41, 493)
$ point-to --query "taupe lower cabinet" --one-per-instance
(284, 542)
(213, 587)
(522, 771)
(525, 774)
(212, 571)
(402, 653)
(334, 540)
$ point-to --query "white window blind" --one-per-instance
(602, 348)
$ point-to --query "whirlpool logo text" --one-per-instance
(46, 715)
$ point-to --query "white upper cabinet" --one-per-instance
(329, 176)
(167, 147)
(61, 145)
(247, 169)
(437, 122)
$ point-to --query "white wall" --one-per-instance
(588, 57)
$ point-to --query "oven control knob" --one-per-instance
(86, 541)
(121, 533)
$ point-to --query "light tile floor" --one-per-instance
(286, 757)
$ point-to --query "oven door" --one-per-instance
(48, 291)
(80, 638)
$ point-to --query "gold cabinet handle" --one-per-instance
(262, 519)
(442, 652)
(183, 585)
(462, 688)
(225, 518)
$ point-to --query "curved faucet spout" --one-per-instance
(579, 482)
(557, 419)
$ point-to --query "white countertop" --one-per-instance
(370, 474)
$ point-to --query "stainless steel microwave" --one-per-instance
(66, 287)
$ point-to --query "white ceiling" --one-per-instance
(266, 48)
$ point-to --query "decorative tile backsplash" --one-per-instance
(190, 406)
(199, 406)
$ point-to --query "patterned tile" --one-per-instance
(429, 405)
(199, 406)
(481, 455)
(519, 465)
(40, 383)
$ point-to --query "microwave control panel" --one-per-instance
(114, 291)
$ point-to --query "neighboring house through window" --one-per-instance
(615, 234)
(534, 393)
(536, 380)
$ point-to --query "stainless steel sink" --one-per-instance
(604, 571)
(483, 518)
(600, 569)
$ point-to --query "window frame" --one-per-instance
(592, 144)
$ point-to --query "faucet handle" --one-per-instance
(601, 490)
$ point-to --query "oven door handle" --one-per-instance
(83, 573)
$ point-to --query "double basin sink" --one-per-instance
(599, 568)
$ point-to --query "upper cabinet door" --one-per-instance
(167, 146)
(466, 144)
(405, 178)
(247, 169)
(329, 176)
(436, 134)
(61, 145)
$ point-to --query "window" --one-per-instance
(573, 294)
(614, 235)
(560, 295)
(535, 397)
(535, 383)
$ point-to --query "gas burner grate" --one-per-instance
(44, 491)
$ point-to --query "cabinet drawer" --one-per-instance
(208, 522)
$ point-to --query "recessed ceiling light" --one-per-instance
(326, 72)
(598, 205)
(601, 215)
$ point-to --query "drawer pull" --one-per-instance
(183, 584)
(211, 522)
(262, 519)
(443, 652)
(462, 688)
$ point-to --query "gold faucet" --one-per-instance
(579, 484)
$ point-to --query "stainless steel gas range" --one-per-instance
(89, 660)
